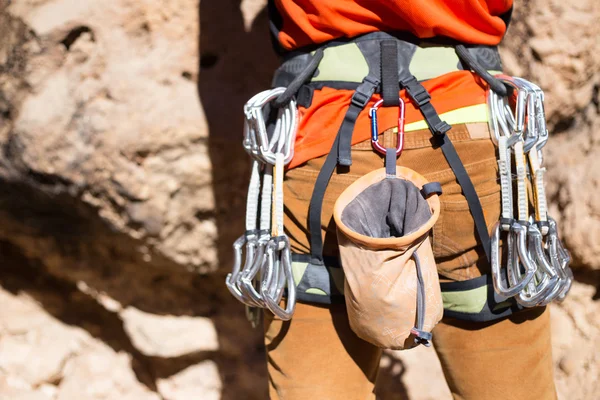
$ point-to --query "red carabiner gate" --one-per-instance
(375, 131)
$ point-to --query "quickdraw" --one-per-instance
(267, 269)
(536, 263)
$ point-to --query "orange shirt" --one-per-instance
(301, 23)
(306, 22)
(319, 123)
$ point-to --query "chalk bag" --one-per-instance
(391, 287)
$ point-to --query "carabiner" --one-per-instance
(497, 280)
(515, 277)
(531, 95)
(278, 276)
(375, 128)
(543, 287)
(521, 103)
(539, 112)
(248, 277)
(231, 278)
(285, 129)
(560, 258)
(516, 283)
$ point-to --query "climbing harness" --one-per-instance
(536, 264)
(529, 268)
(267, 272)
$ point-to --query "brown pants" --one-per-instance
(317, 356)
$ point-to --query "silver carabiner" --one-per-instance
(279, 257)
(249, 276)
(516, 282)
(230, 279)
(545, 280)
(559, 257)
(251, 142)
(566, 275)
(531, 131)
(540, 113)
(520, 107)
(247, 240)
(497, 280)
(252, 254)
(285, 130)
(517, 279)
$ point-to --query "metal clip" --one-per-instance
(375, 128)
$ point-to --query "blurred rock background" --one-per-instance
(121, 181)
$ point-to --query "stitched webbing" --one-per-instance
(390, 162)
(389, 73)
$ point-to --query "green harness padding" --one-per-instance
(344, 65)
(470, 300)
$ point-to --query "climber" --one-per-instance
(438, 57)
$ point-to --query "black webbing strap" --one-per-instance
(316, 204)
(431, 188)
(305, 96)
(495, 84)
(419, 95)
(390, 162)
(389, 73)
(340, 150)
(299, 80)
(360, 98)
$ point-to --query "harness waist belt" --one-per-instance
(470, 300)
(345, 64)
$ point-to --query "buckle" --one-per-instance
(360, 99)
(416, 91)
(441, 128)
(418, 94)
(364, 92)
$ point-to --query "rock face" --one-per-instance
(108, 112)
(43, 358)
(121, 181)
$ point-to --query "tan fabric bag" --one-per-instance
(392, 290)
